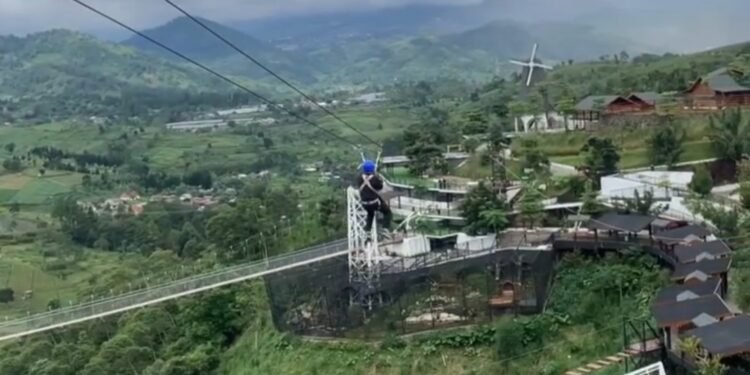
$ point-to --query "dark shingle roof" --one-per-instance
(589, 103)
(688, 253)
(720, 80)
(647, 97)
(669, 294)
(725, 338)
(679, 234)
(709, 267)
(620, 222)
(669, 314)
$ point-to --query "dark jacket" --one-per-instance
(367, 194)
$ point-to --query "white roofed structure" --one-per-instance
(662, 184)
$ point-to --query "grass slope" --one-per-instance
(61, 62)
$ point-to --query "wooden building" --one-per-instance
(645, 100)
(717, 90)
(595, 107)
(675, 318)
(728, 340)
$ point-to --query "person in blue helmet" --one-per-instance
(370, 185)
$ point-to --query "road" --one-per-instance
(97, 309)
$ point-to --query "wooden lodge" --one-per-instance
(717, 90)
(728, 339)
(596, 107)
(675, 318)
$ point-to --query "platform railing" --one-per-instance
(191, 285)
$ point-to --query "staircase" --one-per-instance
(632, 351)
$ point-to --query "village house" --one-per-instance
(716, 90)
(596, 107)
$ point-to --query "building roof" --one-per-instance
(589, 103)
(661, 223)
(648, 97)
(681, 233)
(671, 293)
(678, 313)
(708, 267)
(621, 222)
(725, 338)
(689, 253)
(720, 81)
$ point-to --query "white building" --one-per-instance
(243, 110)
(662, 184)
(539, 123)
(196, 125)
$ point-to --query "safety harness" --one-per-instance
(366, 184)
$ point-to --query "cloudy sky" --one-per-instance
(23, 16)
(683, 25)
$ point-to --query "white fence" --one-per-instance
(653, 369)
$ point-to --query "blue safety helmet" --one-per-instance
(368, 167)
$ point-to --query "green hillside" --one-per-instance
(472, 54)
(59, 74)
(62, 62)
(188, 37)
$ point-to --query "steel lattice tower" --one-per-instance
(364, 255)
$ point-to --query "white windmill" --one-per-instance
(531, 65)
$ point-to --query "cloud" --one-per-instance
(24, 16)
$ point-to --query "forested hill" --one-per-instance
(618, 74)
(59, 73)
(623, 74)
(383, 58)
(65, 62)
(188, 37)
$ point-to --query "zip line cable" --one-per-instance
(271, 72)
(215, 73)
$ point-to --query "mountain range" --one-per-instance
(344, 49)
(395, 54)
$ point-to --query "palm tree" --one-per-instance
(690, 346)
(729, 135)
(494, 218)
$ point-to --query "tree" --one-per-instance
(729, 135)
(707, 365)
(600, 158)
(424, 157)
(243, 231)
(470, 144)
(10, 147)
(494, 218)
(497, 144)
(745, 194)
(200, 178)
(533, 158)
(665, 145)
(13, 165)
(567, 107)
(6, 295)
(80, 223)
(624, 56)
(641, 204)
(590, 204)
(475, 123)
(481, 199)
(701, 183)
(424, 226)
(532, 205)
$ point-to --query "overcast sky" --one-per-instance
(24, 16)
(682, 25)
